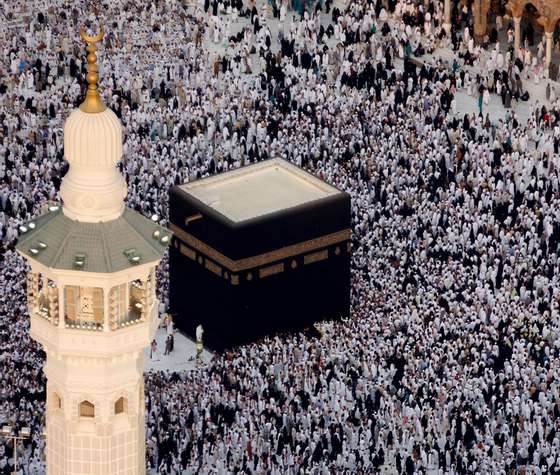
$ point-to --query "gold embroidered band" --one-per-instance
(194, 217)
(315, 257)
(213, 267)
(271, 270)
(187, 251)
(261, 259)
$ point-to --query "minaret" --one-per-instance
(92, 301)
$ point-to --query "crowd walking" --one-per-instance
(450, 363)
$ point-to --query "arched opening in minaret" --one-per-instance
(120, 406)
(87, 409)
(83, 307)
(56, 401)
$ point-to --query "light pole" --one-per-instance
(9, 433)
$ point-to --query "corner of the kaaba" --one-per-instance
(277, 273)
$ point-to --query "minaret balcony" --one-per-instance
(95, 340)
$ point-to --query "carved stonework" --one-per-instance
(53, 304)
(32, 289)
(549, 11)
(548, 22)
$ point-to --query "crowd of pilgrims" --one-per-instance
(451, 361)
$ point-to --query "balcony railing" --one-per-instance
(94, 340)
(83, 325)
(132, 317)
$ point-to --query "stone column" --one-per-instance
(114, 304)
(517, 34)
(53, 304)
(107, 309)
(152, 292)
(32, 290)
(61, 306)
(447, 15)
(148, 289)
(480, 9)
(548, 57)
(127, 301)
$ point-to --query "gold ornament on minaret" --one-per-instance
(92, 103)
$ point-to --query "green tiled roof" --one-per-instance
(103, 243)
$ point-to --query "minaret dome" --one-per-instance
(93, 190)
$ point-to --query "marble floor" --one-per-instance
(180, 359)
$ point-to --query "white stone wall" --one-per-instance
(108, 443)
(94, 447)
(99, 367)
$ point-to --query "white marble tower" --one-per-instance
(92, 301)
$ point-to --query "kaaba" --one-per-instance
(259, 250)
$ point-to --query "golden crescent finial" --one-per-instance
(92, 39)
(92, 103)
